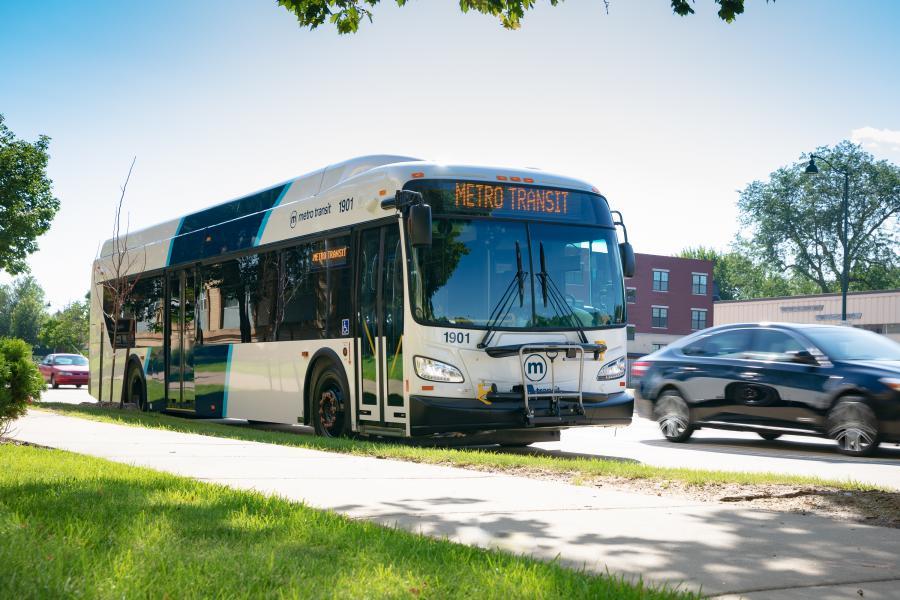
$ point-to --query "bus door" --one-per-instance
(180, 352)
(379, 335)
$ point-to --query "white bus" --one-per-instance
(381, 296)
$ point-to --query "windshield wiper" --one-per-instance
(504, 305)
(551, 292)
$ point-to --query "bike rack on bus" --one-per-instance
(552, 352)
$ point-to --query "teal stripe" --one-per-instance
(172, 242)
(227, 382)
(265, 219)
(147, 362)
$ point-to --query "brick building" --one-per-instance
(667, 298)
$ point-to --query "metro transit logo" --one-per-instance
(535, 367)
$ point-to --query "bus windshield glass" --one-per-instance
(461, 279)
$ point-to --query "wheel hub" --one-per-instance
(328, 409)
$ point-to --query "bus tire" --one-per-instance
(330, 401)
(136, 388)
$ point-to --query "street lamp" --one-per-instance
(812, 169)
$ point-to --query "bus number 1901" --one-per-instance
(345, 205)
(456, 337)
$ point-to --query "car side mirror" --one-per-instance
(627, 254)
(802, 357)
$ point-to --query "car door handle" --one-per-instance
(748, 375)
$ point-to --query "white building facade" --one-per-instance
(877, 311)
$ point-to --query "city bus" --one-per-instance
(380, 296)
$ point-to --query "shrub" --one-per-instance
(20, 381)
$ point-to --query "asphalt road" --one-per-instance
(707, 449)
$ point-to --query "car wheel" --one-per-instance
(673, 416)
(78, 385)
(768, 436)
(852, 424)
(53, 383)
(330, 402)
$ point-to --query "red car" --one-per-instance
(65, 369)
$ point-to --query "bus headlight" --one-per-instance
(612, 370)
(435, 370)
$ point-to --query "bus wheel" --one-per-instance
(136, 388)
(329, 402)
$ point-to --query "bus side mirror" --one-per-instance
(419, 225)
(627, 254)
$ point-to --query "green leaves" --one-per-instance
(27, 204)
(346, 15)
(20, 380)
(797, 219)
(67, 330)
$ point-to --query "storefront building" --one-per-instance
(876, 311)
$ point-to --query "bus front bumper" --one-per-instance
(430, 415)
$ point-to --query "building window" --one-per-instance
(630, 295)
(698, 284)
(698, 318)
(660, 280)
(656, 347)
(660, 317)
(630, 332)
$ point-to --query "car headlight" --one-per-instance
(891, 382)
(435, 370)
(612, 370)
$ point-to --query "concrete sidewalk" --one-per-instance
(744, 553)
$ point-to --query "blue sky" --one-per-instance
(667, 116)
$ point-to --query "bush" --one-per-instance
(20, 381)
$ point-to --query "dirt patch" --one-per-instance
(14, 442)
(872, 507)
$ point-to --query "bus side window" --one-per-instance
(303, 287)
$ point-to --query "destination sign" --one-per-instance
(512, 201)
(511, 198)
(330, 255)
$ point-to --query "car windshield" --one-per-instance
(472, 263)
(70, 360)
(850, 343)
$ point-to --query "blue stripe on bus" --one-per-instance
(262, 226)
(222, 229)
(227, 383)
(172, 242)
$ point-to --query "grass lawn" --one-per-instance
(82, 527)
(581, 468)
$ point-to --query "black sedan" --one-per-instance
(775, 379)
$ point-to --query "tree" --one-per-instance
(67, 330)
(6, 307)
(346, 15)
(117, 280)
(738, 277)
(27, 310)
(797, 219)
(20, 381)
(27, 204)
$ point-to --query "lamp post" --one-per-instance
(812, 169)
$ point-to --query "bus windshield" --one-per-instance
(463, 276)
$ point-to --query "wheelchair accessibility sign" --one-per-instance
(345, 326)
